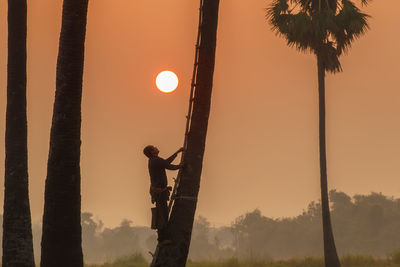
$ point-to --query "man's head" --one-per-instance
(150, 151)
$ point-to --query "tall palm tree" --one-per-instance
(17, 228)
(61, 239)
(183, 212)
(326, 28)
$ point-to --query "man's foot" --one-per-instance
(164, 243)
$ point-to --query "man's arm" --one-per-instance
(163, 163)
(166, 165)
(172, 166)
(171, 158)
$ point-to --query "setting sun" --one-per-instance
(167, 81)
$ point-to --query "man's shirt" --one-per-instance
(157, 168)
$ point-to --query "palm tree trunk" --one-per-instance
(17, 228)
(331, 257)
(61, 239)
(183, 212)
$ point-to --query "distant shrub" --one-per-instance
(305, 262)
(396, 257)
(358, 261)
(135, 260)
(202, 263)
(233, 262)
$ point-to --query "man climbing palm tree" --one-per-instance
(159, 188)
(181, 220)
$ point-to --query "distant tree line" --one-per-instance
(363, 224)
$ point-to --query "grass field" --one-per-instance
(138, 260)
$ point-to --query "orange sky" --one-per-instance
(262, 138)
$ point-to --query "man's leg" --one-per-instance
(162, 207)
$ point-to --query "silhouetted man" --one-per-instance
(159, 188)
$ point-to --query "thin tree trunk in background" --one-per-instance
(183, 212)
(330, 254)
(61, 239)
(17, 228)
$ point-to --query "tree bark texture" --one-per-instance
(61, 239)
(183, 211)
(330, 254)
(17, 228)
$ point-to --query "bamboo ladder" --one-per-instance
(188, 120)
(190, 109)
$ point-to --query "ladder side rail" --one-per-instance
(190, 108)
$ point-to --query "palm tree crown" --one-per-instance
(324, 27)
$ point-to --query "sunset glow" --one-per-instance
(262, 137)
(167, 81)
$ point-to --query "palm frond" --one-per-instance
(324, 27)
(351, 25)
(277, 8)
(297, 29)
(329, 57)
(365, 2)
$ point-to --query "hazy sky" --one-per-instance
(262, 143)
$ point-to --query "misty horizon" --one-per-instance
(373, 215)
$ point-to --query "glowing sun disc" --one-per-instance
(167, 81)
